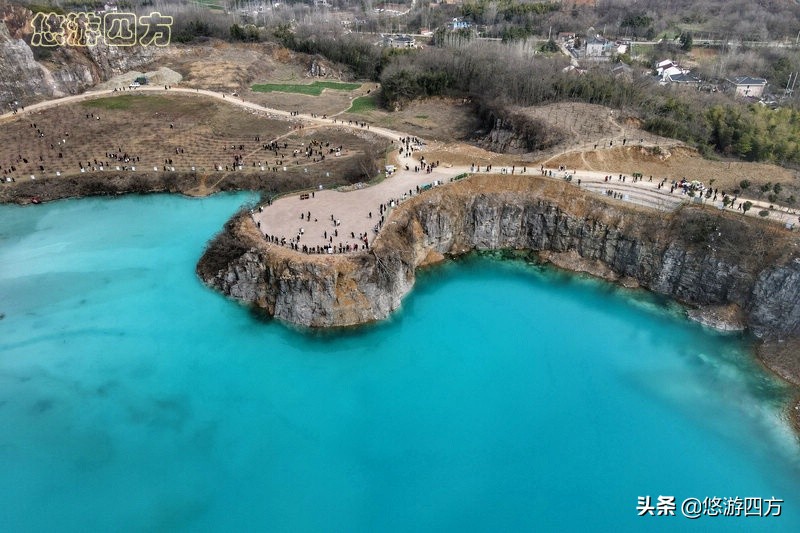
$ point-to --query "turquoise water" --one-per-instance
(502, 397)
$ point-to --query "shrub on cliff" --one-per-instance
(223, 249)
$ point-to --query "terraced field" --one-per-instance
(180, 133)
(311, 89)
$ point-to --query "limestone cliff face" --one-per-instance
(315, 291)
(113, 60)
(20, 74)
(66, 70)
(699, 256)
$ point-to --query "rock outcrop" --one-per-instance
(317, 69)
(703, 257)
(316, 291)
(63, 70)
(21, 76)
(511, 131)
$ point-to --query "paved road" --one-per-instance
(352, 209)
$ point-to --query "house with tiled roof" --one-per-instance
(684, 79)
(747, 86)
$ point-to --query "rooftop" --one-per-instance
(596, 40)
(683, 78)
(747, 80)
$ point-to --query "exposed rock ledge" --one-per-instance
(739, 273)
(720, 317)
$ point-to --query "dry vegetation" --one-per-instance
(228, 67)
(677, 163)
(165, 132)
(588, 124)
(223, 66)
(442, 121)
(436, 119)
(328, 103)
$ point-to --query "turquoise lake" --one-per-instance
(502, 396)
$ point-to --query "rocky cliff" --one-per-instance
(699, 256)
(512, 131)
(59, 71)
(310, 290)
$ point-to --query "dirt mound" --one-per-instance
(223, 66)
(227, 67)
(516, 131)
(676, 162)
(162, 76)
(587, 127)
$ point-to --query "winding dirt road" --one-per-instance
(340, 217)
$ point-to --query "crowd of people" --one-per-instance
(26, 161)
(127, 156)
(335, 240)
(359, 242)
(315, 151)
(33, 158)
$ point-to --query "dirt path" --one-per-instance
(585, 163)
(338, 218)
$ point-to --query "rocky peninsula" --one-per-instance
(736, 272)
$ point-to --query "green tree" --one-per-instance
(744, 184)
(284, 34)
(746, 206)
(247, 33)
(550, 46)
(686, 41)
(399, 87)
(745, 146)
(636, 20)
(193, 29)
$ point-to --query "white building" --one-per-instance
(598, 48)
(747, 86)
(399, 41)
(595, 47)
